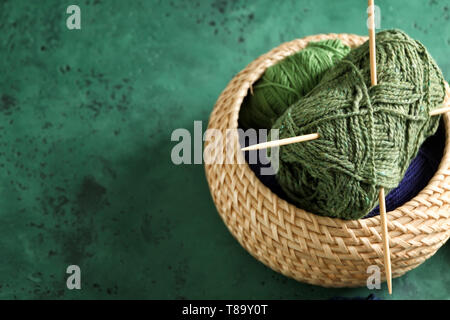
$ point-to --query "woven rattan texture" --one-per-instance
(307, 247)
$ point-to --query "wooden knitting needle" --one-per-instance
(281, 142)
(436, 112)
(385, 233)
(373, 58)
(381, 200)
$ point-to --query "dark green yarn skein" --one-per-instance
(285, 82)
(368, 135)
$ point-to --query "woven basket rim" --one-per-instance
(239, 213)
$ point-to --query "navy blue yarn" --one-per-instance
(419, 173)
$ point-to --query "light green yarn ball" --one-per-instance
(284, 83)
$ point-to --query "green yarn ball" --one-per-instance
(285, 82)
(368, 135)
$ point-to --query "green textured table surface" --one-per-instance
(85, 123)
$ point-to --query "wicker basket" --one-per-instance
(307, 247)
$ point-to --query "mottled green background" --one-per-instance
(85, 124)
